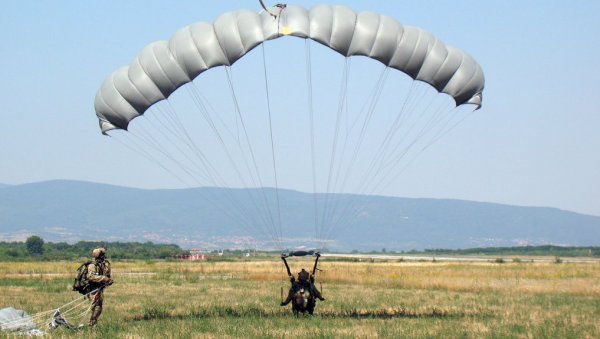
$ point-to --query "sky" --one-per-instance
(534, 143)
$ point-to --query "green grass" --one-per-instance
(367, 300)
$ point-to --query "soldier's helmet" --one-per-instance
(98, 252)
(303, 275)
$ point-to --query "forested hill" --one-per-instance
(215, 217)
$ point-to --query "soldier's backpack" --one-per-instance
(81, 283)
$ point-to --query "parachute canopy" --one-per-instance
(12, 319)
(163, 66)
(400, 91)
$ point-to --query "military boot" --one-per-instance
(317, 293)
(96, 311)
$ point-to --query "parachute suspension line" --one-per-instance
(205, 107)
(368, 116)
(213, 174)
(396, 162)
(341, 100)
(207, 117)
(230, 214)
(311, 120)
(140, 150)
(380, 158)
(442, 132)
(201, 171)
(74, 309)
(429, 125)
(148, 140)
(371, 105)
(154, 144)
(446, 130)
(262, 4)
(382, 154)
(253, 157)
(436, 117)
(352, 200)
(383, 147)
(202, 104)
(272, 142)
(355, 199)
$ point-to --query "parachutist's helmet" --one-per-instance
(303, 275)
(98, 253)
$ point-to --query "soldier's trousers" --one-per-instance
(316, 293)
(96, 308)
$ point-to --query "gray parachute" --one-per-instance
(17, 321)
(163, 66)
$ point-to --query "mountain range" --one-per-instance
(209, 217)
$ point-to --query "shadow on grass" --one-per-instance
(161, 312)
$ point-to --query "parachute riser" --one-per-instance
(280, 6)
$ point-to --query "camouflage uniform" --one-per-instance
(306, 281)
(99, 275)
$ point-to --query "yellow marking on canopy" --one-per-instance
(286, 30)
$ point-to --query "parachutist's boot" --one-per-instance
(318, 294)
(96, 311)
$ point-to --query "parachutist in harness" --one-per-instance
(303, 291)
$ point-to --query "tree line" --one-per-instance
(35, 248)
(542, 250)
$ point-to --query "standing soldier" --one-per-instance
(99, 277)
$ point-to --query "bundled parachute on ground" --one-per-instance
(410, 123)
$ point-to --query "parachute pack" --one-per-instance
(81, 283)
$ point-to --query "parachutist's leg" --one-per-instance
(96, 311)
(317, 293)
(289, 297)
(96, 308)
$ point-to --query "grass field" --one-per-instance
(382, 299)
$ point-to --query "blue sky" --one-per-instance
(535, 141)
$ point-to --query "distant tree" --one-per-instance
(11, 252)
(35, 245)
(383, 250)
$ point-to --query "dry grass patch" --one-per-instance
(240, 299)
